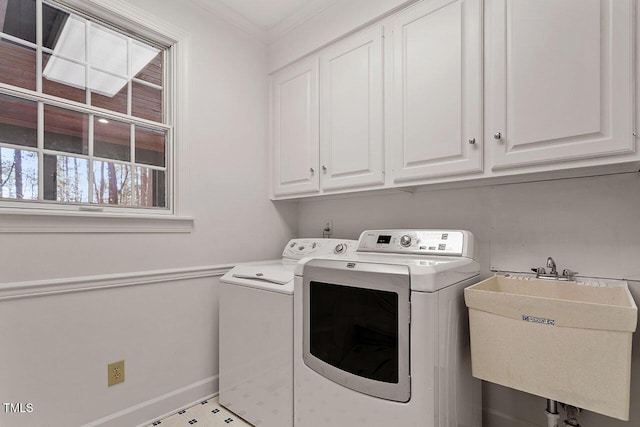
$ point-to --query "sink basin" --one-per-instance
(568, 341)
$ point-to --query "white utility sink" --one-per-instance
(568, 341)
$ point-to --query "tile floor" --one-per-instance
(207, 413)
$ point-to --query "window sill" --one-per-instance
(32, 221)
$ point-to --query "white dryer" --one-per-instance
(381, 336)
(256, 333)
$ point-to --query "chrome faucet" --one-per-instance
(552, 265)
(541, 272)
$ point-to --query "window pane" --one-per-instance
(63, 78)
(67, 37)
(106, 84)
(150, 146)
(53, 21)
(146, 102)
(108, 55)
(111, 183)
(108, 50)
(18, 18)
(18, 174)
(64, 72)
(117, 102)
(112, 139)
(153, 71)
(18, 121)
(17, 64)
(65, 130)
(150, 187)
(66, 179)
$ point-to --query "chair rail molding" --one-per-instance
(42, 288)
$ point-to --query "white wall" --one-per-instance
(590, 225)
(55, 348)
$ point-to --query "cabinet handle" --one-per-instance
(472, 141)
(312, 171)
(324, 169)
(497, 135)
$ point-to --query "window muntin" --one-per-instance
(109, 146)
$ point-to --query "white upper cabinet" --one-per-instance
(560, 83)
(436, 108)
(351, 112)
(458, 90)
(295, 119)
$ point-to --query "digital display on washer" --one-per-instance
(384, 239)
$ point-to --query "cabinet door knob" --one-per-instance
(497, 135)
(324, 169)
(312, 171)
(472, 141)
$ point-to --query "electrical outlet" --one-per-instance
(328, 228)
(115, 373)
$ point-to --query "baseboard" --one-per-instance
(493, 418)
(145, 413)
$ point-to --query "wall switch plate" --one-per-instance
(115, 373)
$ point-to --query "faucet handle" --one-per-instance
(539, 270)
(569, 273)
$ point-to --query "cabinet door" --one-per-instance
(560, 85)
(295, 129)
(351, 112)
(437, 90)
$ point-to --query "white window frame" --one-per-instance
(40, 216)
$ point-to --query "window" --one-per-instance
(84, 117)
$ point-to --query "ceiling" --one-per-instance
(266, 13)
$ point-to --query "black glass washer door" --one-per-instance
(356, 325)
(355, 329)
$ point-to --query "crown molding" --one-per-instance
(129, 17)
(299, 17)
(229, 15)
(266, 35)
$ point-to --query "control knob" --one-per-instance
(340, 248)
(405, 240)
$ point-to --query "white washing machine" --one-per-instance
(256, 333)
(381, 335)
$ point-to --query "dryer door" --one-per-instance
(356, 325)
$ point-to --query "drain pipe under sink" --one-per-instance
(553, 417)
(572, 416)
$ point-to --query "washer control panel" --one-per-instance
(300, 248)
(427, 242)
